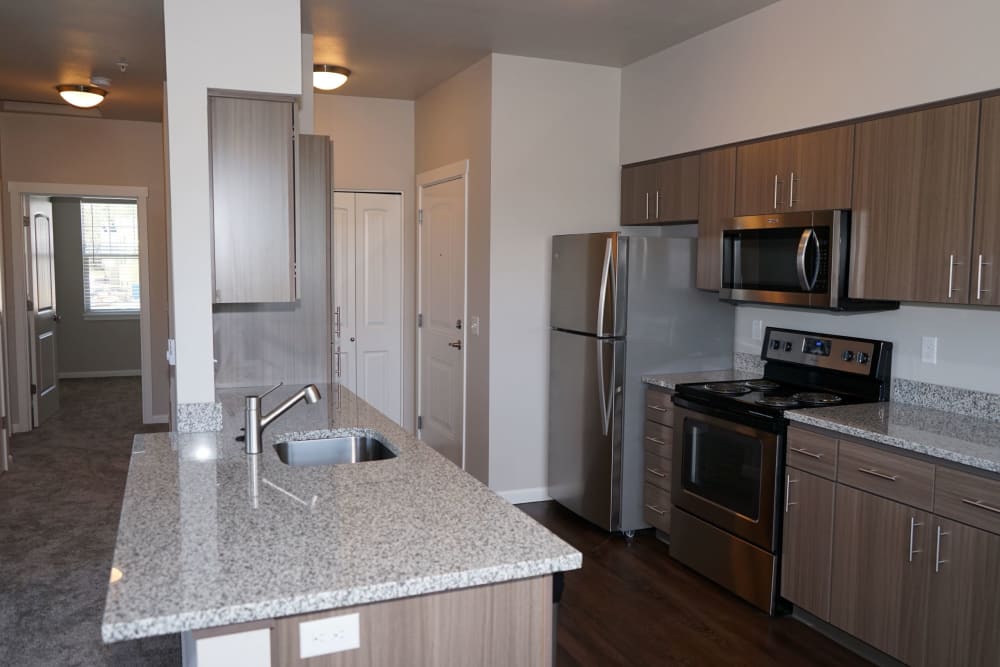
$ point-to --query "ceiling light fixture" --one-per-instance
(82, 96)
(329, 77)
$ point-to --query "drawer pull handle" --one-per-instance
(981, 505)
(938, 561)
(655, 472)
(656, 440)
(658, 408)
(656, 509)
(880, 475)
(806, 452)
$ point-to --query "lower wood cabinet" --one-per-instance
(657, 444)
(808, 542)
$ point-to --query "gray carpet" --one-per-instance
(59, 507)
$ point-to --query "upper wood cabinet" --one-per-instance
(985, 264)
(253, 218)
(660, 192)
(914, 183)
(716, 190)
(807, 542)
(803, 172)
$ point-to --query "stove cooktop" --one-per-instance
(763, 395)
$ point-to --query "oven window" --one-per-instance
(723, 467)
(766, 260)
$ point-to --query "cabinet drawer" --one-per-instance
(659, 408)
(812, 452)
(968, 498)
(658, 471)
(656, 507)
(899, 478)
(658, 439)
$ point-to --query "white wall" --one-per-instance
(244, 45)
(554, 171)
(800, 63)
(373, 149)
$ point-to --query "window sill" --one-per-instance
(111, 316)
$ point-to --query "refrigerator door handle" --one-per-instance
(601, 393)
(602, 294)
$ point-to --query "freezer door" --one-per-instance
(589, 283)
(585, 462)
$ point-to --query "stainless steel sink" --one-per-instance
(330, 451)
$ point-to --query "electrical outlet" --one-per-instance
(928, 350)
(474, 325)
(329, 635)
(758, 330)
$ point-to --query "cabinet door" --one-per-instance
(760, 185)
(716, 191)
(808, 542)
(638, 192)
(985, 267)
(882, 560)
(914, 176)
(819, 171)
(252, 200)
(675, 197)
(965, 597)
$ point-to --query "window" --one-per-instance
(110, 235)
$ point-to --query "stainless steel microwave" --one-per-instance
(791, 259)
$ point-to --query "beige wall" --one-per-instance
(453, 124)
(373, 149)
(87, 151)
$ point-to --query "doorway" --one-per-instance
(111, 285)
(368, 297)
(441, 305)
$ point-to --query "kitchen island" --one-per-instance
(212, 538)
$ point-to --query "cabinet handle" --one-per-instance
(656, 509)
(658, 408)
(981, 505)
(647, 206)
(337, 356)
(657, 204)
(775, 192)
(979, 280)
(791, 190)
(806, 452)
(655, 472)
(951, 275)
(913, 525)
(938, 561)
(655, 440)
(336, 321)
(876, 473)
(788, 491)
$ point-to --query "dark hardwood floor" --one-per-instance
(633, 605)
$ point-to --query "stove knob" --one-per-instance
(847, 355)
(788, 347)
(863, 357)
(775, 344)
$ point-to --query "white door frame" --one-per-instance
(20, 374)
(448, 172)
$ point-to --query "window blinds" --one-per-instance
(110, 235)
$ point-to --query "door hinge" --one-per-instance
(27, 221)
(34, 389)
(420, 423)
(420, 216)
(420, 320)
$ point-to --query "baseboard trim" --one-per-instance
(518, 496)
(80, 375)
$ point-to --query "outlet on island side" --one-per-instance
(928, 349)
(329, 635)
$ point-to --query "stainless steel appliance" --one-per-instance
(793, 259)
(621, 306)
(728, 455)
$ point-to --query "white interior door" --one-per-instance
(43, 319)
(344, 286)
(442, 306)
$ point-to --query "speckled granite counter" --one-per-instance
(210, 537)
(944, 435)
(671, 380)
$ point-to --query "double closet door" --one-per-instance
(368, 297)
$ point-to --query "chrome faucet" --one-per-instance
(255, 423)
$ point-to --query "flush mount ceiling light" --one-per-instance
(329, 77)
(82, 96)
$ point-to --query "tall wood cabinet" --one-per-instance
(985, 261)
(803, 172)
(716, 191)
(914, 184)
(253, 203)
(660, 192)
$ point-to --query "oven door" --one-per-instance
(725, 473)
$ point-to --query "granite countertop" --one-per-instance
(949, 436)
(209, 536)
(671, 380)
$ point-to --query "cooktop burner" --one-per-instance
(777, 401)
(728, 388)
(816, 398)
(762, 384)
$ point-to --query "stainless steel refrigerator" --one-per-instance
(621, 307)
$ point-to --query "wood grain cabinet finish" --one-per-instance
(659, 406)
(914, 181)
(895, 476)
(802, 172)
(806, 552)
(985, 262)
(658, 438)
(661, 192)
(812, 452)
(252, 183)
(882, 553)
(716, 195)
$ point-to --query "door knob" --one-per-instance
(57, 318)
(457, 344)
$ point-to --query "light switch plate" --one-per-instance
(928, 349)
(329, 635)
(758, 330)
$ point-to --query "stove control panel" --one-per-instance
(849, 355)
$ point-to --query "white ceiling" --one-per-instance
(396, 48)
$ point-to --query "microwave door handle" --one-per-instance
(800, 259)
(602, 294)
(814, 239)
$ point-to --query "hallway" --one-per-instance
(60, 504)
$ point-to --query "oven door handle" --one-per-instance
(808, 236)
